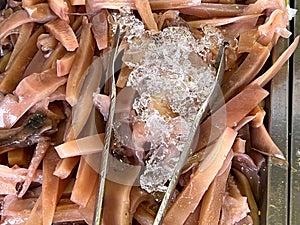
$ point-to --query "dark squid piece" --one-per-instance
(29, 133)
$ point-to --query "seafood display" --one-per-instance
(137, 111)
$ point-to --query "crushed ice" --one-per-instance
(175, 68)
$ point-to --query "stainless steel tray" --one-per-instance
(275, 208)
(294, 176)
(282, 191)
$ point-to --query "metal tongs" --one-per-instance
(110, 78)
(192, 137)
(188, 148)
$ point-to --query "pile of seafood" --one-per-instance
(72, 70)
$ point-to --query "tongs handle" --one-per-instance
(188, 147)
(110, 78)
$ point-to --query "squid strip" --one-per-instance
(63, 32)
(244, 186)
(50, 188)
(220, 21)
(35, 64)
(214, 10)
(87, 212)
(212, 200)
(23, 37)
(239, 145)
(155, 4)
(64, 64)
(38, 156)
(143, 7)
(65, 167)
(113, 212)
(80, 114)
(60, 8)
(192, 193)
(83, 146)
(271, 72)
(83, 59)
(123, 76)
(35, 217)
(14, 73)
(100, 29)
(259, 116)
(85, 180)
(261, 140)
(236, 109)
(250, 67)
